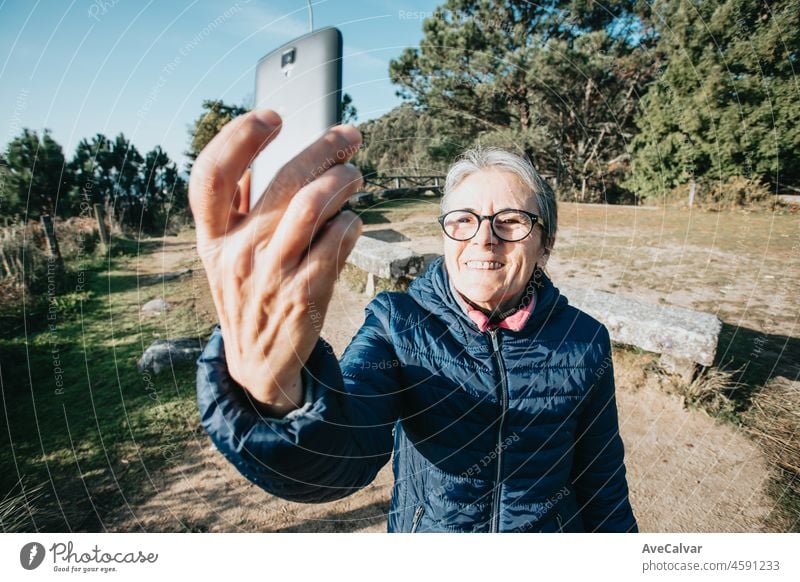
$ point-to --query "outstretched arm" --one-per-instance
(272, 395)
(330, 447)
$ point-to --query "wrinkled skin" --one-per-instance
(485, 193)
(270, 284)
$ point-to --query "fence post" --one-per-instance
(52, 243)
(101, 223)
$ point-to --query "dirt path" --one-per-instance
(686, 473)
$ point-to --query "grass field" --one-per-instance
(80, 424)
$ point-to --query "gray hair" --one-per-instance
(478, 159)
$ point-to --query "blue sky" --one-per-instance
(144, 67)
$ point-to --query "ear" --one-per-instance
(542, 262)
(546, 251)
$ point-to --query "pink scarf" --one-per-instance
(515, 322)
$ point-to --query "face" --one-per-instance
(490, 272)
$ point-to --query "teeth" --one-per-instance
(484, 265)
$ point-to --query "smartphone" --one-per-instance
(302, 82)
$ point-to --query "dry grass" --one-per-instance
(26, 268)
(774, 422)
(20, 507)
(712, 390)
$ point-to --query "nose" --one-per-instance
(485, 234)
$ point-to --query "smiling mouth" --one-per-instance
(484, 265)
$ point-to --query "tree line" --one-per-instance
(619, 100)
(138, 191)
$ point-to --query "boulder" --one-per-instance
(163, 354)
(157, 305)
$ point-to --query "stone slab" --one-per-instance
(384, 259)
(682, 334)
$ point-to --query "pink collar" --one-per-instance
(515, 322)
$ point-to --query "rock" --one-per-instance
(162, 277)
(163, 354)
(387, 235)
(175, 274)
(684, 368)
(684, 337)
(362, 199)
(157, 305)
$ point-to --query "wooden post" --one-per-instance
(692, 190)
(397, 182)
(101, 223)
(52, 243)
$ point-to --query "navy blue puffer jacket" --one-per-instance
(497, 431)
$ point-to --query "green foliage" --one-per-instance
(406, 140)
(216, 114)
(725, 103)
(559, 79)
(138, 192)
(34, 175)
(349, 111)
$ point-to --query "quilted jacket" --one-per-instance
(509, 431)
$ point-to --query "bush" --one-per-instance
(739, 192)
(23, 262)
(77, 236)
(26, 270)
(735, 193)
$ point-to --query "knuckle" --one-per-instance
(338, 144)
(305, 210)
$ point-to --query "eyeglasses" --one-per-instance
(507, 225)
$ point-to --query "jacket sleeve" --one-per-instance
(330, 447)
(598, 468)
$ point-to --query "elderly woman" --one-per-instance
(494, 394)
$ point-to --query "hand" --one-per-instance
(270, 283)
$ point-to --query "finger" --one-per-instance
(329, 253)
(310, 209)
(241, 199)
(335, 147)
(219, 167)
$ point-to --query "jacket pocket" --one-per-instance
(418, 513)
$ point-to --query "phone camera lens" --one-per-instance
(287, 58)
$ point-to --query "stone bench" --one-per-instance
(683, 337)
(385, 260)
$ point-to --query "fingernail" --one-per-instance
(268, 116)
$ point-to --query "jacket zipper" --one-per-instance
(495, 525)
(417, 517)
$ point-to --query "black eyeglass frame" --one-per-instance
(535, 219)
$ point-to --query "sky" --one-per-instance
(144, 68)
